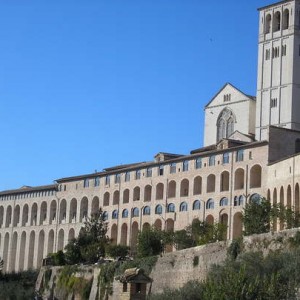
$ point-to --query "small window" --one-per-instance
(158, 209)
(149, 172)
(86, 183)
(183, 206)
(198, 163)
(240, 155)
(171, 207)
(115, 214)
(97, 181)
(138, 174)
(117, 178)
(196, 205)
(127, 176)
(224, 201)
(185, 166)
(226, 158)
(160, 170)
(105, 216)
(212, 160)
(107, 180)
(210, 204)
(172, 168)
(125, 213)
(135, 212)
(146, 211)
(250, 154)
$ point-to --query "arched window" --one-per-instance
(196, 205)
(183, 206)
(158, 209)
(135, 212)
(125, 213)
(105, 216)
(276, 21)
(255, 176)
(286, 19)
(224, 201)
(225, 124)
(210, 204)
(171, 207)
(268, 24)
(146, 211)
(115, 214)
(255, 198)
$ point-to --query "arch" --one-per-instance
(169, 228)
(281, 196)
(106, 199)
(63, 211)
(5, 252)
(125, 213)
(184, 188)
(146, 226)
(211, 183)
(31, 249)
(126, 196)
(255, 176)
(224, 201)
(210, 204)
(196, 205)
(172, 189)
(73, 211)
(1, 215)
(269, 195)
(134, 235)
(171, 207)
(158, 224)
(275, 197)
(268, 23)
(40, 253)
(297, 203)
(183, 206)
(135, 212)
(224, 181)
(114, 234)
(209, 219)
(8, 216)
(224, 221)
(43, 212)
(136, 193)
(50, 241)
(289, 197)
(53, 208)
(146, 211)
(115, 214)
(147, 193)
(255, 198)
(22, 251)
(16, 215)
(124, 231)
(71, 235)
(95, 205)
(34, 214)
(286, 19)
(158, 209)
(116, 198)
(84, 204)
(237, 225)
(225, 124)
(13, 252)
(60, 240)
(239, 179)
(277, 21)
(159, 191)
(198, 185)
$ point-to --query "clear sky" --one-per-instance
(89, 84)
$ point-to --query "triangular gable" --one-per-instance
(228, 88)
(238, 136)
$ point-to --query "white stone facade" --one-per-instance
(211, 183)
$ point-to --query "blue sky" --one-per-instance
(86, 85)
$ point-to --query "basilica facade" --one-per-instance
(251, 150)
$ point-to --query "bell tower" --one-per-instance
(278, 79)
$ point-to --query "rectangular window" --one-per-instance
(172, 168)
(185, 166)
(160, 170)
(149, 172)
(127, 176)
(212, 160)
(117, 178)
(138, 174)
(107, 180)
(198, 163)
(240, 155)
(97, 181)
(86, 183)
(226, 158)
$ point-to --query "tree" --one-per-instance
(90, 245)
(257, 217)
(115, 251)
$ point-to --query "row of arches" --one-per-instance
(277, 21)
(26, 250)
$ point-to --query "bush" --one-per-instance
(115, 251)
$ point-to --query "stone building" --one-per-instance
(251, 150)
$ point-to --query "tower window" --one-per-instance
(273, 102)
(267, 54)
(268, 23)
(286, 19)
(277, 20)
(283, 50)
